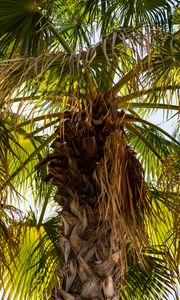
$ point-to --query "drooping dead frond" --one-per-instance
(122, 195)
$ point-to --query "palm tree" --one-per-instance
(95, 69)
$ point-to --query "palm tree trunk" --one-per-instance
(100, 191)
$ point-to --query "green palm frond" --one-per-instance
(162, 146)
(39, 256)
(21, 150)
(10, 226)
(162, 199)
(23, 29)
(151, 99)
(155, 283)
(114, 14)
(169, 177)
(166, 62)
(162, 220)
(9, 147)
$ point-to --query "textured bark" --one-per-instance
(94, 246)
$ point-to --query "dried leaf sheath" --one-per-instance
(102, 195)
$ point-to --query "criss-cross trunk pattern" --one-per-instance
(101, 193)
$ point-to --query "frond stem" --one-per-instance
(60, 38)
(138, 134)
(140, 120)
(39, 118)
(46, 200)
(127, 77)
(56, 33)
(122, 100)
(152, 105)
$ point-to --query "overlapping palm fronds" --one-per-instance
(157, 281)
(57, 59)
(20, 152)
(38, 255)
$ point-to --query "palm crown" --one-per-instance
(94, 70)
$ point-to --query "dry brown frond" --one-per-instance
(122, 196)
